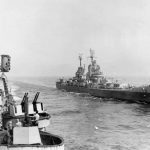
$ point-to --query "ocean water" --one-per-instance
(88, 123)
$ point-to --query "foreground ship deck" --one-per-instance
(48, 142)
(23, 126)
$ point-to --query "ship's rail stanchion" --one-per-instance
(1, 107)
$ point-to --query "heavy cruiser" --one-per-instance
(96, 84)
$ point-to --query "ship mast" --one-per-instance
(4, 79)
(91, 54)
(80, 59)
(5, 67)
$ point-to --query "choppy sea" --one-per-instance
(88, 123)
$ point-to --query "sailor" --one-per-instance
(10, 127)
(10, 132)
(37, 117)
(18, 123)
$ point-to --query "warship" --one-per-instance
(23, 125)
(96, 84)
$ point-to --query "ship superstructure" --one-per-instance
(94, 72)
(79, 75)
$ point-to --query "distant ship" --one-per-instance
(97, 85)
(23, 126)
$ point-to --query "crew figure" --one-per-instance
(10, 133)
(37, 117)
(18, 123)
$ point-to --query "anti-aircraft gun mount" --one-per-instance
(25, 112)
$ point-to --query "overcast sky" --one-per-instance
(44, 37)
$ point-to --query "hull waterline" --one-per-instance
(121, 94)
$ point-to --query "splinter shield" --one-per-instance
(5, 63)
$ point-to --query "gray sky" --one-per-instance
(44, 37)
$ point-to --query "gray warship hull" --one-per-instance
(119, 94)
